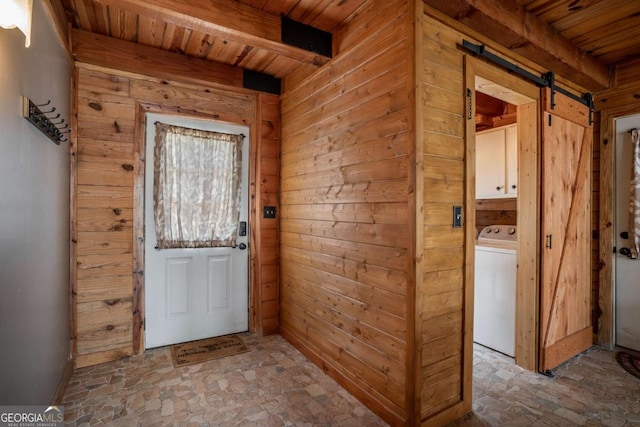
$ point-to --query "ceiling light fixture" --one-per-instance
(17, 14)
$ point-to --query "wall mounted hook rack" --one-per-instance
(44, 123)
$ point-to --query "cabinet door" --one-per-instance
(511, 145)
(490, 164)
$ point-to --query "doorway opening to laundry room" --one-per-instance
(627, 232)
(494, 311)
(503, 200)
(196, 229)
(554, 137)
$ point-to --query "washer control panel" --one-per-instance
(506, 233)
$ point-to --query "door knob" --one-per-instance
(626, 252)
(242, 246)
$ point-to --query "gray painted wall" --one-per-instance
(34, 218)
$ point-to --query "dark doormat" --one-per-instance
(193, 352)
(630, 363)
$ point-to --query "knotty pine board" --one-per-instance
(442, 289)
(345, 164)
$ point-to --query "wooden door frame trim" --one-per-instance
(528, 254)
(142, 108)
(73, 217)
(606, 279)
(415, 298)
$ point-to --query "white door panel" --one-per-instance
(191, 293)
(627, 285)
(177, 283)
(218, 283)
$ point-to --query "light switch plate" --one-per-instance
(457, 217)
(269, 212)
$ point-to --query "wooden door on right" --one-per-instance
(565, 293)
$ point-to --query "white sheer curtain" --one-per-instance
(634, 204)
(196, 187)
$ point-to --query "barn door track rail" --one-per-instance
(546, 80)
(53, 127)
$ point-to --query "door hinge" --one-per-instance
(550, 117)
(144, 323)
(614, 249)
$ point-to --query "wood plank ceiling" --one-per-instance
(580, 39)
(130, 21)
(606, 32)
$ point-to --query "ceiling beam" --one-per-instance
(109, 52)
(505, 119)
(227, 19)
(483, 121)
(512, 26)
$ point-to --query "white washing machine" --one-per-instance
(494, 314)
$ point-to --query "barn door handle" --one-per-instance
(548, 244)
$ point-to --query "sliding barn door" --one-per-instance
(565, 297)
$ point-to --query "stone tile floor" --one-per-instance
(271, 385)
(275, 385)
(589, 390)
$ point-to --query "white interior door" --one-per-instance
(627, 285)
(192, 294)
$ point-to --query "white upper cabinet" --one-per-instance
(497, 163)
(511, 147)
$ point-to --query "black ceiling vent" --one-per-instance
(306, 37)
(260, 81)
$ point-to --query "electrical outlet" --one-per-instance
(269, 212)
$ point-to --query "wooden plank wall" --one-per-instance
(442, 289)
(445, 370)
(103, 281)
(621, 99)
(345, 244)
(266, 312)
